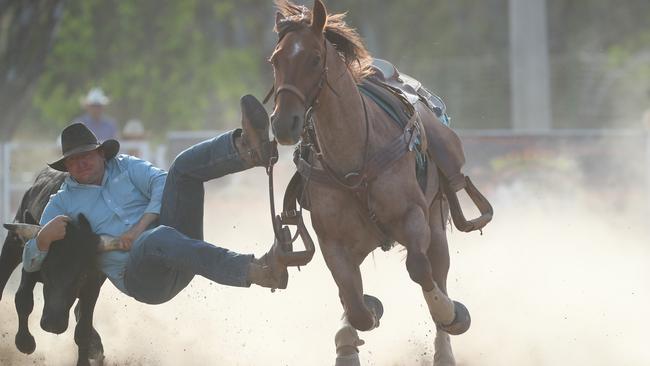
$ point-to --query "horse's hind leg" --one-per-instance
(438, 254)
(416, 236)
(24, 301)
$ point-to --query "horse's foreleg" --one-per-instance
(347, 276)
(347, 340)
(24, 301)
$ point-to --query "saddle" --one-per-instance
(397, 94)
(444, 145)
(410, 88)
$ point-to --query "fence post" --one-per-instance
(4, 187)
(646, 166)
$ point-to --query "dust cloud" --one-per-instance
(556, 279)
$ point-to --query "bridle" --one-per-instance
(315, 89)
(356, 182)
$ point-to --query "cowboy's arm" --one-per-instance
(53, 222)
(127, 239)
(151, 182)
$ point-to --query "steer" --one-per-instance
(33, 202)
(69, 272)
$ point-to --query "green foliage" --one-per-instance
(162, 62)
(184, 64)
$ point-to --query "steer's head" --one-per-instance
(65, 270)
(12, 249)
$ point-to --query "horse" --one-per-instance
(359, 172)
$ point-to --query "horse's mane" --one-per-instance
(345, 39)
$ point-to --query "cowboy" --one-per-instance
(157, 216)
(104, 127)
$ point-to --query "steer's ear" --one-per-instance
(28, 218)
(24, 231)
(83, 222)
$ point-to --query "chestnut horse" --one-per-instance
(318, 63)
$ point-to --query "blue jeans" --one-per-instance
(164, 260)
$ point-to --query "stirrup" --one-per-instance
(483, 205)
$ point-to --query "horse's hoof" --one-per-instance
(374, 305)
(462, 320)
(25, 343)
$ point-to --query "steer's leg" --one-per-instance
(83, 331)
(96, 348)
(24, 301)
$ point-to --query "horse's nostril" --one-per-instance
(294, 124)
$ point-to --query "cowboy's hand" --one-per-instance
(52, 231)
(127, 239)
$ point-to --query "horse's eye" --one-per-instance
(315, 61)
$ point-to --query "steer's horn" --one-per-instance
(24, 231)
(108, 243)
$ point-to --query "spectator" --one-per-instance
(104, 127)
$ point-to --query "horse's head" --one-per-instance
(299, 69)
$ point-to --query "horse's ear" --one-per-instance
(83, 222)
(28, 218)
(318, 17)
(278, 18)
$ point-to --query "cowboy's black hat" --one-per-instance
(77, 138)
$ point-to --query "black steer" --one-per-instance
(47, 183)
(68, 272)
(89, 341)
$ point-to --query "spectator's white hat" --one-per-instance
(95, 96)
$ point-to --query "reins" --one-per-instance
(357, 182)
(289, 216)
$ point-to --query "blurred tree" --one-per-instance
(183, 64)
(26, 33)
(174, 65)
(600, 62)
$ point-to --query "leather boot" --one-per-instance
(268, 270)
(254, 145)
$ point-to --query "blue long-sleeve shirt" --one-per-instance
(130, 188)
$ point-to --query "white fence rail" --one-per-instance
(612, 162)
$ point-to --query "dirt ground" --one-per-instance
(556, 279)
